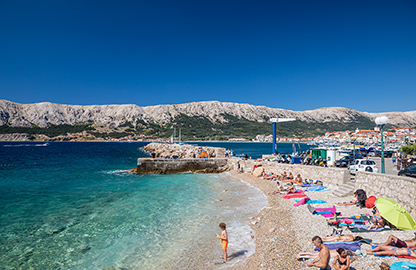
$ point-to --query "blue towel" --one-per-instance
(403, 265)
(313, 201)
(353, 246)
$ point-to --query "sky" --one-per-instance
(296, 55)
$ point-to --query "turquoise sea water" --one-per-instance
(73, 205)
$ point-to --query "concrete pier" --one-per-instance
(200, 165)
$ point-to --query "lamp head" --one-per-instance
(382, 120)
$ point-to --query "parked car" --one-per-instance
(363, 165)
(408, 171)
(347, 160)
(387, 153)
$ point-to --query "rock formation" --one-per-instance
(44, 114)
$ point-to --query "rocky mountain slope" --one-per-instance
(197, 120)
(44, 114)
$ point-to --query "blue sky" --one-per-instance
(296, 55)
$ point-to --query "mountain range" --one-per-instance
(197, 120)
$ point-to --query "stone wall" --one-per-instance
(331, 177)
(398, 188)
(157, 165)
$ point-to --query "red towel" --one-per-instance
(295, 195)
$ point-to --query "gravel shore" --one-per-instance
(282, 231)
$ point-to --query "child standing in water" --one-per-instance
(224, 240)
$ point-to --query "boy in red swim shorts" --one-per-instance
(224, 239)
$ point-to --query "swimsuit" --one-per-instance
(224, 244)
(401, 244)
(342, 263)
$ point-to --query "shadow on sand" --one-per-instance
(237, 254)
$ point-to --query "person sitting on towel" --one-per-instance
(298, 179)
(278, 190)
(393, 240)
(290, 177)
(291, 189)
(341, 238)
(378, 221)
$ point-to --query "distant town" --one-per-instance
(398, 136)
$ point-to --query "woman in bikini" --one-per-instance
(392, 251)
(342, 260)
(341, 238)
(378, 221)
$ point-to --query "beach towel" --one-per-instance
(289, 181)
(321, 212)
(295, 195)
(403, 265)
(333, 209)
(362, 228)
(301, 202)
(399, 256)
(353, 246)
(313, 201)
(317, 188)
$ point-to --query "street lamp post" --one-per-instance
(380, 122)
(274, 121)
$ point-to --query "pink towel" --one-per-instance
(303, 201)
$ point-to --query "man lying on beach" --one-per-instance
(322, 261)
(392, 251)
(395, 241)
(341, 238)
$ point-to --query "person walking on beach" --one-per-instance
(224, 239)
(322, 261)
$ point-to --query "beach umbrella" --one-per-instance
(395, 214)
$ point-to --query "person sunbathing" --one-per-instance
(271, 176)
(378, 221)
(278, 190)
(341, 238)
(353, 202)
(283, 176)
(291, 189)
(395, 241)
(392, 251)
(290, 177)
(298, 179)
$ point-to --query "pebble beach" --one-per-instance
(282, 230)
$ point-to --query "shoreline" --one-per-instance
(282, 230)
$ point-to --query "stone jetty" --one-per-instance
(179, 158)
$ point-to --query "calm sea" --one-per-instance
(73, 205)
